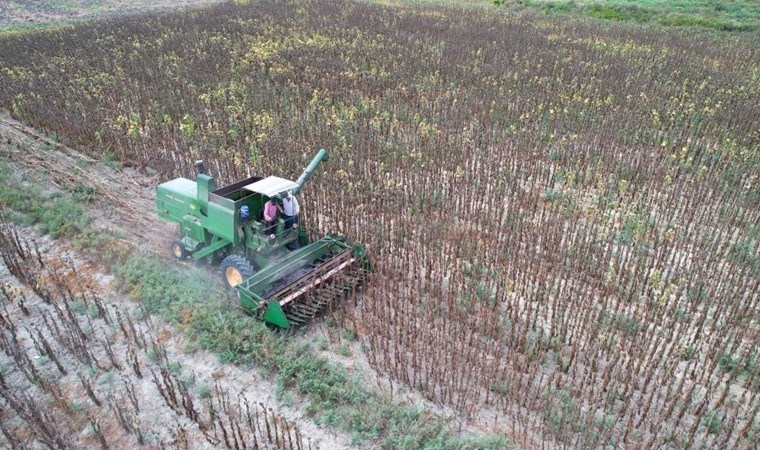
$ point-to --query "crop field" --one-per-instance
(16, 13)
(563, 216)
(727, 15)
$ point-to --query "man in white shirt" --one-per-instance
(290, 209)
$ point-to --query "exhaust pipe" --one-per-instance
(199, 167)
(204, 185)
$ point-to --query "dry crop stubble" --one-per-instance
(83, 370)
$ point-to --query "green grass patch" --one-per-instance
(730, 15)
(55, 213)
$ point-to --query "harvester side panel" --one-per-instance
(176, 198)
(221, 221)
(192, 227)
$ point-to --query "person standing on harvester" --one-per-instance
(290, 209)
(270, 213)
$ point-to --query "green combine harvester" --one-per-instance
(280, 276)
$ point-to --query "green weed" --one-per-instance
(108, 378)
(714, 421)
(735, 15)
(174, 367)
(93, 312)
(56, 214)
(77, 306)
(203, 391)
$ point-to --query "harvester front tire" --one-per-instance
(234, 269)
(177, 249)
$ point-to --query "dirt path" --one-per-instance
(26, 12)
(120, 201)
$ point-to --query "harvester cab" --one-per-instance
(279, 275)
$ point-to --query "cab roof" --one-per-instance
(271, 186)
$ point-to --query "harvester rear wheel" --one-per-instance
(234, 269)
(177, 249)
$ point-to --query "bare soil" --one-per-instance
(28, 12)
